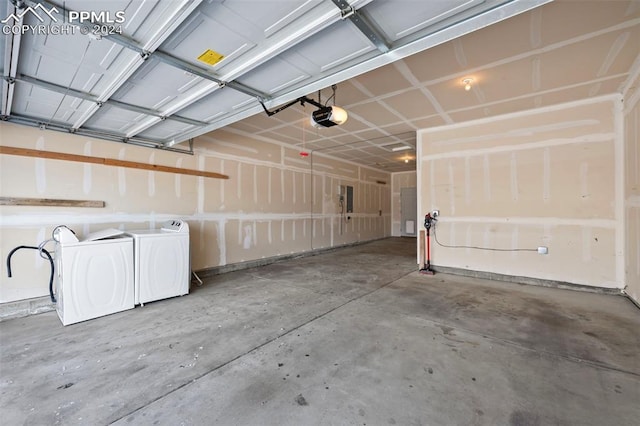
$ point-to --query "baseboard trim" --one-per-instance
(231, 267)
(526, 280)
(26, 307)
(38, 305)
(631, 299)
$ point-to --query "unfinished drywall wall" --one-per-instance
(398, 181)
(273, 203)
(550, 177)
(632, 189)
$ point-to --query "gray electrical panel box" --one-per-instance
(349, 199)
(346, 198)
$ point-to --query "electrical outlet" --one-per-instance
(543, 250)
(435, 213)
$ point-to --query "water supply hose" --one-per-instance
(41, 250)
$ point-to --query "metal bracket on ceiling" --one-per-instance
(301, 99)
(364, 23)
(347, 12)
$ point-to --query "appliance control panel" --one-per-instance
(175, 225)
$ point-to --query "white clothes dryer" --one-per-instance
(161, 262)
(93, 277)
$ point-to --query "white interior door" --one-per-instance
(408, 212)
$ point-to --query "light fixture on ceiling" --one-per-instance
(406, 160)
(401, 148)
(467, 83)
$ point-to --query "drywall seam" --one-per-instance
(419, 170)
(467, 179)
(283, 145)
(452, 190)
(255, 184)
(201, 193)
(631, 100)
(546, 175)
(293, 183)
(516, 220)
(33, 220)
(537, 98)
(593, 138)
(636, 146)
(177, 179)
(201, 236)
(151, 176)
(613, 53)
(269, 186)
(513, 175)
(401, 174)
(122, 177)
(537, 52)
(486, 166)
(432, 178)
(222, 240)
(239, 181)
(520, 114)
(86, 181)
(638, 243)
(235, 146)
(222, 185)
(535, 28)
(619, 172)
(536, 76)
(254, 229)
(304, 188)
(40, 168)
(282, 184)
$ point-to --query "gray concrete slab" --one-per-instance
(352, 336)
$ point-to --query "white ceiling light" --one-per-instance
(401, 148)
(467, 83)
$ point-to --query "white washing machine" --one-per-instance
(93, 277)
(161, 262)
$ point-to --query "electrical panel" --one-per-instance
(345, 197)
(349, 199)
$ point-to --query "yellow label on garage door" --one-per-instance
(210, 57)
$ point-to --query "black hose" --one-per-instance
(42, 250)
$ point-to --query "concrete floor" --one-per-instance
(350, 337)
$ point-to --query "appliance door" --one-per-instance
(162, 268)
(94, 279)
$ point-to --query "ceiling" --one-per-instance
(398, 66)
